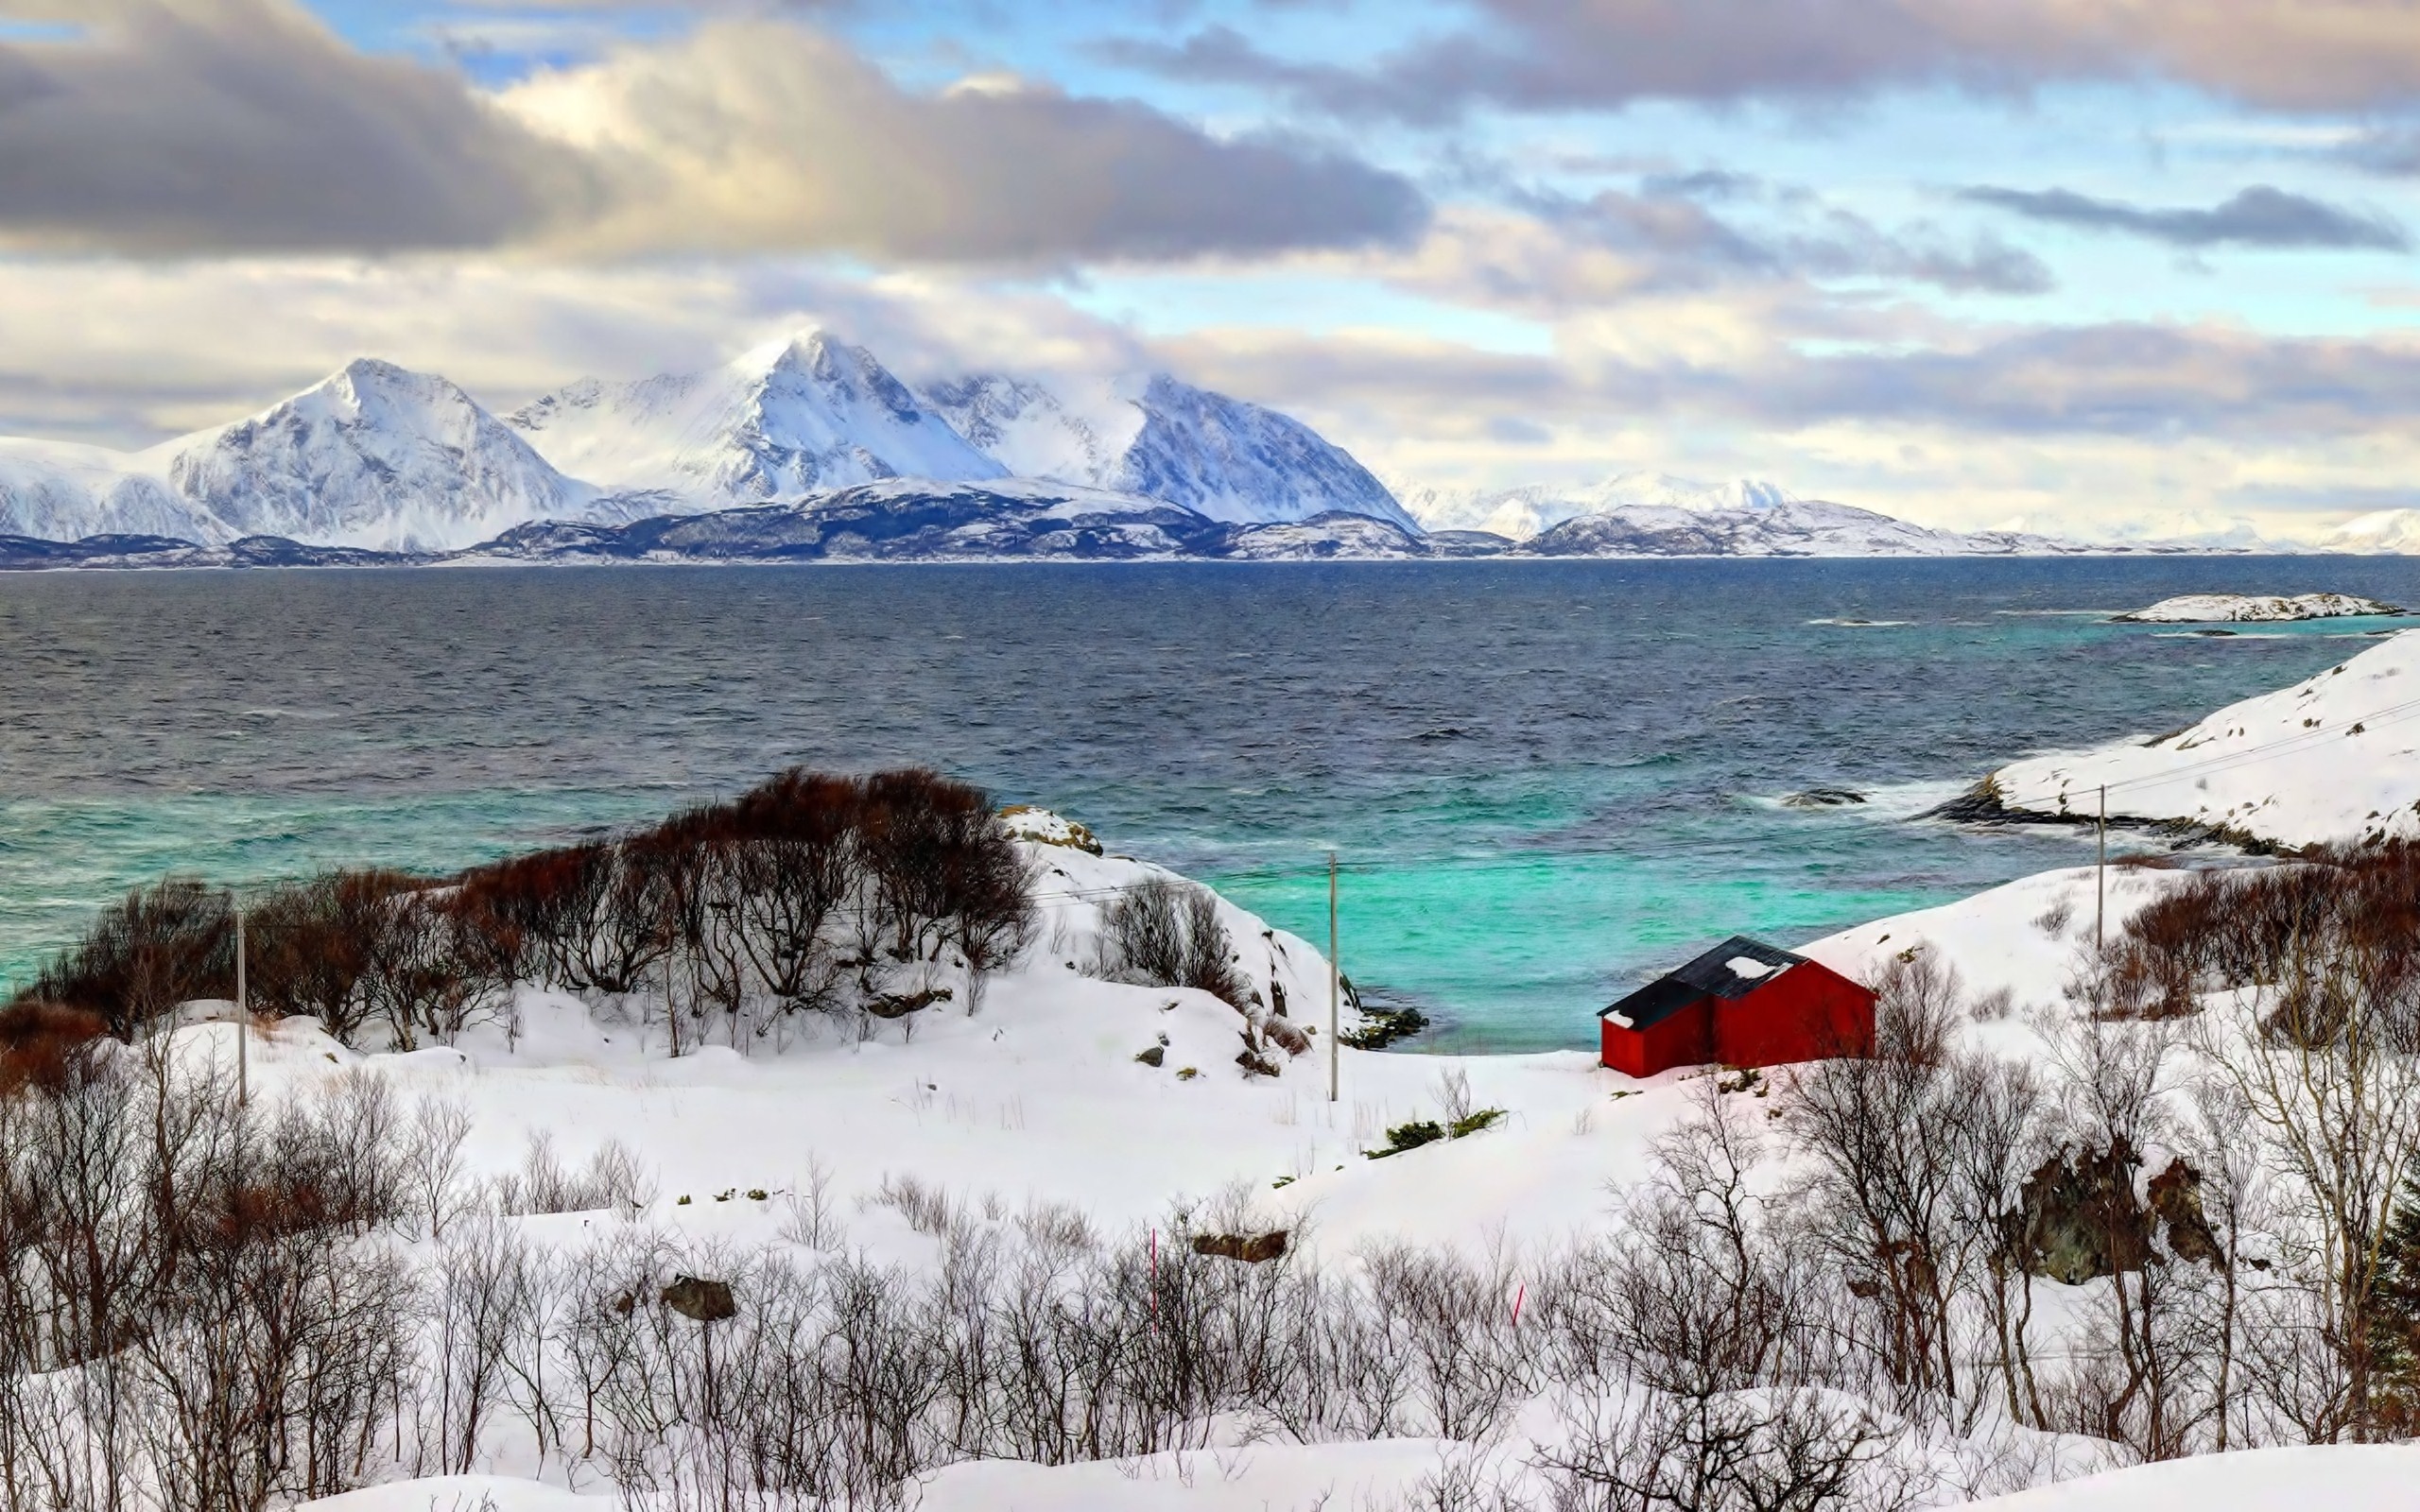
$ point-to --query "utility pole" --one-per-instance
(243, 1012)
(1334, 977)
(2100, 875)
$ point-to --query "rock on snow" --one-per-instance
(2230, 608)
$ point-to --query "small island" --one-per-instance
(2236, 609)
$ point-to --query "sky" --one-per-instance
(2107, 268)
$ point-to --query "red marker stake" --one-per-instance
(1522, 1291)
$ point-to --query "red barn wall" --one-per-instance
(1807, 1013)
(1682, 1039)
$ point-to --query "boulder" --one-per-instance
(706, 1301)
(2078, 1218)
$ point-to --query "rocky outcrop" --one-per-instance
(2078, 1218)
(705, 1300)
(1252, 1250)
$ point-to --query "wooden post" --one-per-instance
(2101, 876)
(243, 1014)
(1334, 977)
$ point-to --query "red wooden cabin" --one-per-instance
(1740, 1003)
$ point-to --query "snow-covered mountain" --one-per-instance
(55, 491)
(1521, 512)
(815, 415)
(782, 422)
(1036, 433)
(1655, 514)
(378, 456)
(2380, 533)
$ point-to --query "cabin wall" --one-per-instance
(1808, 1013)
(1681, 1038)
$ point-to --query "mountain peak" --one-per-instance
(814, 352)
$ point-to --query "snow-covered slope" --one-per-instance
(2334, 757)
(1167, 440)
(55, 491)
(1240, 462)
(375, 455)
(2228, 609)
(783, 422)
(2380, 533)
(1035, 432)
(1524, 511)
(1656, 514)
(1781, 526)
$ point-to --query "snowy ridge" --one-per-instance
(815, 415)
(1656, 514)
(785, 422)
(375, 457)
(55, 491)
(1244, 464)
(2240, 609)
(379, 457)
(1166, 439)
(2333, 758)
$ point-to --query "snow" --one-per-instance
(57, 491)
(2333, 758)
(2341, 1478)
(2380, 533)
(2219, 609)
(375, 457)
(1038, 1097)
(1071, 434)
(1656, 514)
(788, 420)
(1745, 965)
(1241, 463)
(466, 1494)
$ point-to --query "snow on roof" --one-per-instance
(1732, 969)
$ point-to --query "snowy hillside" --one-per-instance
(2334, 757)
(1035, 432)
(53, 490)
(375, 457)
(1522, 512)
(1767, 526)
(786, 421)
(1166, 439)
(1656, 514)
(2240, 609)
(1239, 462)
(2380, 533)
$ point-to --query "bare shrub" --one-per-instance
(1163, 933)
(156, 947)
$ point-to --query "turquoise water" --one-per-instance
(1545, 779)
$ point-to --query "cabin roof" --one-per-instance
(1734, 968)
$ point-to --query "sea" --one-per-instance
(1542, 781)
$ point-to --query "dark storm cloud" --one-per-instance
(175, 126)
(1553, 55)
(2258, 216)
(214, 125)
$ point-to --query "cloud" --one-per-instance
(1555, 55)
(210, 127)
(1551, 257)
(124, 353)
(757, 136)
(170, 126)
(2258, 216)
